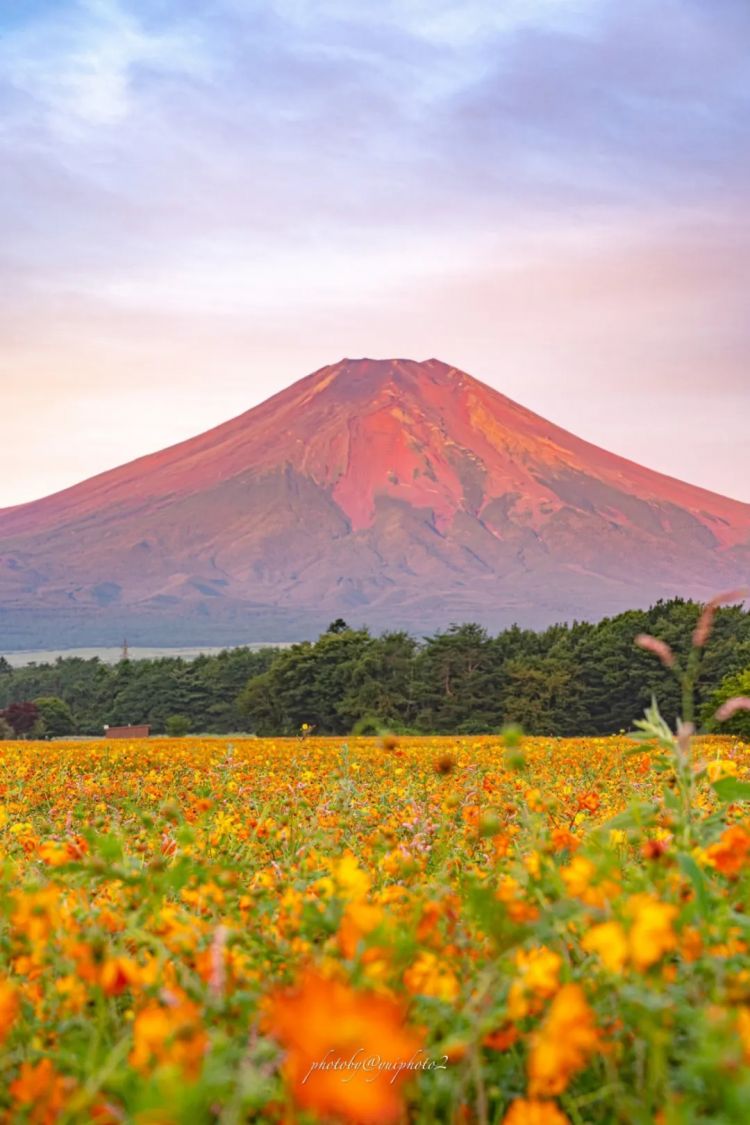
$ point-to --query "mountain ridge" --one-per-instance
(401, 491)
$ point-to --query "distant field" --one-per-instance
(111, 655)
(447, 929)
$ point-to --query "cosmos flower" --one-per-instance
(326, 1028)
(531, 1111)
(563, 1044)
(169, 1031)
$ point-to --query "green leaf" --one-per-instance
(692, 871)
(730, 789)
(636, 816)
(671, 800)
(109, 847)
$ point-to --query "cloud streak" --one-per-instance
(202, 202)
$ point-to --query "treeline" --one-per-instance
(578, 679)
(202, 692)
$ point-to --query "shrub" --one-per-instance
(55, 716)
(22, 718)
(177, 726)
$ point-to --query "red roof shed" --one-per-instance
(142, 731)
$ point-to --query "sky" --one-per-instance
(201, 202)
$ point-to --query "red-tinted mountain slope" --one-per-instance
(391, 492)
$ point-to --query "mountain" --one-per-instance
(389, 492)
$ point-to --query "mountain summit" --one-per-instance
(391, 492)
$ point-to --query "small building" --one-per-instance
(142, 731)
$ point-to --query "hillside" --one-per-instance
(390, 492)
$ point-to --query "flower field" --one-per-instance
(476, 929)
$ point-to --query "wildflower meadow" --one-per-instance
(470, 929)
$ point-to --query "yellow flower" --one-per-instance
(577, 875)
(352, 881)
(533, 864)
(428, 976)
(54, 853)
(721, 767)
(610, 944)
(651, 934)
(540, 970)
(538, 978)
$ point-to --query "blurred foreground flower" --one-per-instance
(344, 1048)
(525, 1111)
(39, 1093)
(8, 1007)
(563, 1044)
(169, 1032)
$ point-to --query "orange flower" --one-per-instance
(8, 1008)
(525, 1111)
(169, 1032)
(589, 802)
(510, 893)
(95, 966)
(731, 852)
(561, 840)
(36, 913)
(54, 853)
(580, 881)
(432, 912)
(561, 1047)
(359, 920)
(106, 1113)
(655, 849)
(347, 1051)
(502, 1039)
(77, 847)
(41, 1092)
(535, 800)
(743, 1028)
(470, 813)
(57, 852)
(691, 944)
(117, 974)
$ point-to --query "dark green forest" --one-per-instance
(579, 679)
(203, 691)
